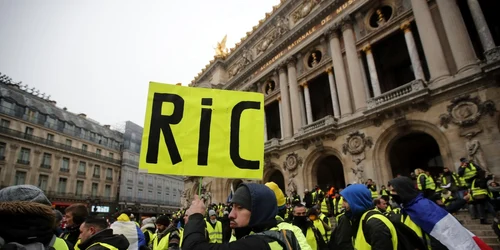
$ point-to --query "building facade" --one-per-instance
(358, 89)
(142, 193)
(70, 157)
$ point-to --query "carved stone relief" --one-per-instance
(304, 9)
(291, 164)
(473, 148)
(356, 144)
(466, 111)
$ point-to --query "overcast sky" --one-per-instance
(97, 56)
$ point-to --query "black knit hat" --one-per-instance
(163, 220)
(242, 197)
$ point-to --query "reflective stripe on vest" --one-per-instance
(60, 244)
(405, 219)
(360, 241)
(477, 190)
(106, 245)
(429, 182)
(337, 204)
(215, 234)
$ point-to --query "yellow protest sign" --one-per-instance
(203, 132)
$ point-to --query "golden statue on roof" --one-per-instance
(221, 50)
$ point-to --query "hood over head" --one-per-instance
(106, 236)
(358, 197)
(24, 193)
(263, 204)
(404, 188)
(26, 222)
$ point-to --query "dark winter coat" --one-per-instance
(105, 236)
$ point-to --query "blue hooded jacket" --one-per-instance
(359, 198)
(264, 204)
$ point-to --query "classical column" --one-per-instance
(412, 50)
(430, 41)
(286, 114)
(365, 80)
(333, 93)
(481, 25)
(294, 94)
(458, 37)
(339, 70)
(281, 117)
(358, 89)
(307, 98)
(302, 108)
(372, 70)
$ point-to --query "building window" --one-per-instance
(3, 146)
(150, 195)
(95, 187)
(29, 131)
(97, 171)
(129, 192)
(65, 165)
(150, 180)
(175, 192)
(79, 188)
(167, 191)
(50, 137)
(81, 168)
(107, 191)
(158, 196)
(61, 187)
(98, 151)
(129, 176)
(109, 174)
(84, 147)
(43, 182)
(20, 178)
(31, 114)
(5, 123)
(111, 155)
(47, 158)
(141, 179)
(139, 193)
(24, 156)
(68, 142)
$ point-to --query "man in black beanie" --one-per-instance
(167, 235)
(252, 217)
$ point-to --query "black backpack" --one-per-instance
(407, 238)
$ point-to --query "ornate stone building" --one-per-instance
(72, 158)
(358, 89)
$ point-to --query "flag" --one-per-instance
(441, 225)
(230, 197)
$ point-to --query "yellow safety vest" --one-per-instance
(374, 193)
(311, 239)
(324, 206)
(337, 205)
(163, 244)
(327, 234)
(429, 182)
(384, 192)
(470, 173)
(108, 246)
(60, 244)
(152, 236)
(477, 190)
(215, 234)
(319, 225)
(360, 241)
